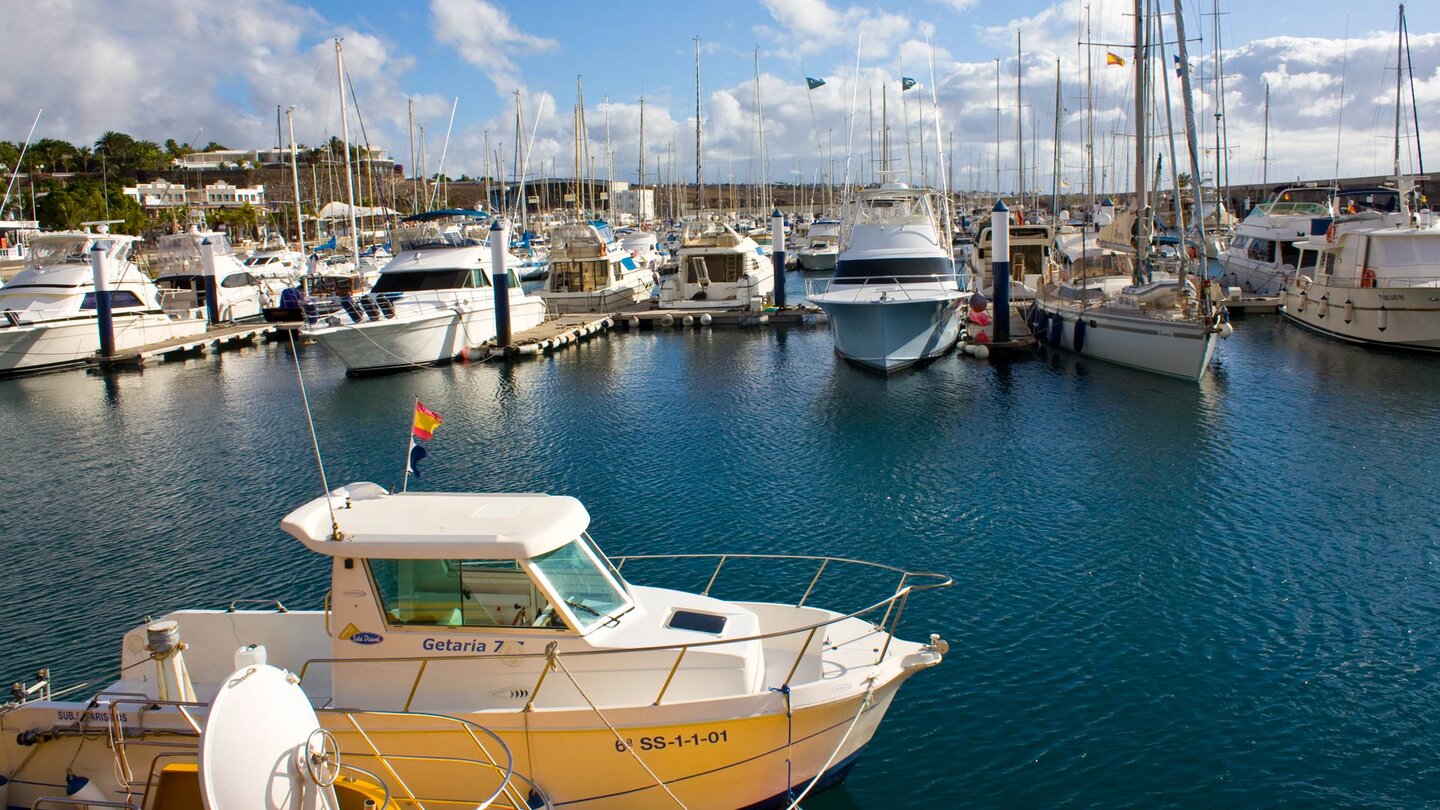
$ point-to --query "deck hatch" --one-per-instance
(696, 621)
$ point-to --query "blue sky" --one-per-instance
(167, 68)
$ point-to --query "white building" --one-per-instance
(638, 202)
(258, 158)
(165, 194)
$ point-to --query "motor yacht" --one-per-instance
(718, 269)
(590, 271)
(48, 315)
(894, 299)
(494, 620)
(821, 247)
(1263, 252)
(180, 272)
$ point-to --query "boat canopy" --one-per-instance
(446, 213)
(375, 523)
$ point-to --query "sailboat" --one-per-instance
(1157, 318)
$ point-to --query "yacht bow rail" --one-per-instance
(893, 605)
(886, 284)
(1403, 282)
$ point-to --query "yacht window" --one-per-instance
(575, 575)
(460, 593)
(1262, 250)
(237, 280)
(118, 300)
(572, 276)
(726, 268)
(1329, 264)
(450, 278)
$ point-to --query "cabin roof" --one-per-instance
(436, 525)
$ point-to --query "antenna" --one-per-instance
(314, 440)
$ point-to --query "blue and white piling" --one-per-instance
(212, 289)
(500, 276)
(103, 315)
(777, 244)
(1000, 271)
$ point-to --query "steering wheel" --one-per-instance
(321, 757)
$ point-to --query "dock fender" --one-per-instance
(1323, 306)
(1077, 340)
(1349, 310)
(1057, 329)
(1383, 318)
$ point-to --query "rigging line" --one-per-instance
(1340, 113)
(314, 440)
(864, 704)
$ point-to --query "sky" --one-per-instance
(203, 70)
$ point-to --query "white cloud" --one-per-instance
(484, 36)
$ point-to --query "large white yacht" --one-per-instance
(47, 311)
(590, 271)
(719, 269)
(434, 300)
(1263, 253)
(1374, 276)
(458, 620)
(894, 299)
(821, 246)
(180, 271)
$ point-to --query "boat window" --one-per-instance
(237, 280)
(461, 593)
(575, 575)
(916, 270)
(58, 250)
(118, 300)
(1329, 264)
(723, 268)
(571, 276)
(1406, 251)
(1261, 250)
(450, 278)
(1295, 257)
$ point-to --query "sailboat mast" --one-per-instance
(295, 176)
(642, 147)
(345, 137)
(414, 170)
(1265, 144)
(884, 132)
(1192, 140)
(1414, 108)
(1019, 124)
(1089, 115)
(1141, 164)
(997, 128)
(609, 162)
(1399, 76)
(699, 172)
(1055, 178)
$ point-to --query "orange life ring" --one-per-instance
(1330, 233)
(1193, 253)
(1367, 277)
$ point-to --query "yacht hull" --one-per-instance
(1180, 349)
(746, 293)
(1394, 317)
(892, 335)
(817, 260)
(60, 343)
(608, 300)
(420, 339)
(1252, 276)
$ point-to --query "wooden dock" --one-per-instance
(219, 339)
(646, 317)
(547, 337)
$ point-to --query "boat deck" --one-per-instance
(219, 338)
(547, 336)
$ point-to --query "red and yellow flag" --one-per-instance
(426, 421)
(1112, 59)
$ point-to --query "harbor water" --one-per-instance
(1221, 594)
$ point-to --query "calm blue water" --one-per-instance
(1166, 594)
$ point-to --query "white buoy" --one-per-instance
(764, 320)
(705, 319)
(1226, 330)
(982, 351)
(689, 320)
(667, 320)
(634, 322)
(529, 348)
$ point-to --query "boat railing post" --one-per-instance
(800, 656)
(777, 243)
(207, 264)
(823, 563)
(1000, 269)
(415, 685)
(890, 633)
(500, 277)
(552, 651)
(668, 678)
(715, 574)
(103, 316)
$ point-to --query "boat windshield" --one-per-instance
(449, 278)
(574, 574)
(59, 250)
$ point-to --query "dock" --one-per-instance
(1242, 306)
(647, 317)
(219, 339)
(547, 337)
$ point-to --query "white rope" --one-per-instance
(555, 659)
(864, 704)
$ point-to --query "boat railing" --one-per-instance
(892, 605)
(1387, 282)
(125, 718)
(887, 284)
(350, 310)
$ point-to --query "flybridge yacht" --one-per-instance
(1374, 276)
(275, 259)
(434, 300)
(591, 272)
(47, 311)
(894, 299)
(821, 247)
(1264, 251)
(719, 269)
(454, 617)
(180, 271)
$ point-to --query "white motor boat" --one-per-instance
(180, 272)
(454, 617)
(894, 299)
(1374, 279)
(1031, 251)
(48, 310)
(590, 271)
(821, 247)
(1263, 252)
(644, 248)
(718, 269)
(434, 300)
(274, 259)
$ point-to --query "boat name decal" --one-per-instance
(463, 646)
(660, 742)
(355, 634)
(88, 716)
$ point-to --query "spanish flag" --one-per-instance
(1112, 59)
(426, 421)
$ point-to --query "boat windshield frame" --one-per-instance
(582, 615)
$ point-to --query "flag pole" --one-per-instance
(410, 448)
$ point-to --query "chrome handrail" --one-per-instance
(821, 286)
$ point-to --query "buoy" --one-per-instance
(689, 320)
(529, 348)
(1077, 335)
(705, 319)
(667, 320)
(1304, 299)
(764, 320)
(634, 322)
(1349, 311)
(1226, 330)
(982, 352)
(1383, 321)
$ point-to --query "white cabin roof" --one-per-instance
(436, 525)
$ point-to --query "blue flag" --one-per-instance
(417, 452)
(814, 83)
(906, 83)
